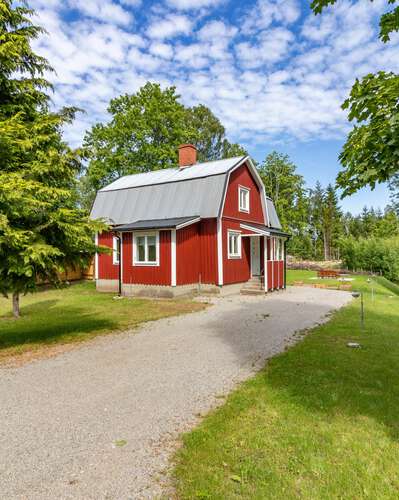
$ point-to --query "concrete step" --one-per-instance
(248, 291)
(252, 287)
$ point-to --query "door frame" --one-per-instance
(258, 243)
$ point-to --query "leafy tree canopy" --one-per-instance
(371, 152)
(144, 133)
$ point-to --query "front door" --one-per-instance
(255, 255)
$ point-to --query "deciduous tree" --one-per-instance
(371, 152)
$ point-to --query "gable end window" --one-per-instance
(146, 249)
(234, 244)
(243, 199)
(116, 250)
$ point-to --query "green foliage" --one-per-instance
(393, 287)
(371, 152)
(144, 132)
(389, 21)
(210, 135)
(287, 190)
(17, 58)
(372, 254)
(41, 230)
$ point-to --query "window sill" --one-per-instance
(243, 210)
(234, 257)
(145, 264)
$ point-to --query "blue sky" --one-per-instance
(273, 73)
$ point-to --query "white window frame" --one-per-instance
(242, 208)
(146, 263)
(238, 254)
(115, 253)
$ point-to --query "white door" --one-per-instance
(255, 255)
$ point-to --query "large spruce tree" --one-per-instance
(41, 230)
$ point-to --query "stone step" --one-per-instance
(248, 291)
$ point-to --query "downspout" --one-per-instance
(285, 264)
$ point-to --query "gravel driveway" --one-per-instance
(101, 421)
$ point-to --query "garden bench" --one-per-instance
(327, 273)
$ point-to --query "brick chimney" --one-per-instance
(187, 155)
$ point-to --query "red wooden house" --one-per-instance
(199, 225)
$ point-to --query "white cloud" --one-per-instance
(271, 75)
(162, 50)
(272, 46)
(265, 12)
(172, 25)
(103, 10)
(192, 4)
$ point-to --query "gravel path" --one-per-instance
(101, 421)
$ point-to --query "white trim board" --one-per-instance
(173, 257)
(220, 251)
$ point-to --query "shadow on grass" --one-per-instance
(42, 322)
(323, 375)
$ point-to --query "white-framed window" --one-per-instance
(146, 249)
(234, 244)
(116, 250)
(243, 199)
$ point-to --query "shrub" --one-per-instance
(375, 255)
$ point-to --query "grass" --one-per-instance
(76, 314)
(393, 287)
(320, 421)
(310, 278)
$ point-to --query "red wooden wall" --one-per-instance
(147, 275)
(106, 269)
(243, 177)
(196, 253)
(208, 251)
(235, 270)
(188, 255)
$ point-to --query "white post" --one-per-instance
(121, 259)
(220, 251)
(96, 259)
(265, 262)
(173, 257)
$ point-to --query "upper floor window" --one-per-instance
(116, 250)
(234, 244)
(146, 249)
(243, 199)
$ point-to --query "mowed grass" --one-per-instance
(75, 314)
(321, 421)
(310, 278)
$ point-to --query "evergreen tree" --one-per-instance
(41, 231)
(332, 227)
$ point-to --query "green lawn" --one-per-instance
(321, 421)
(75, 314)
(310, 278)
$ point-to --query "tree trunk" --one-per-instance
(15, 305)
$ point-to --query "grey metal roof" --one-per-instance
(172, 193)
(274, 221)
(200, 196)
(266, 229)
(174, 174)
(156, 224)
